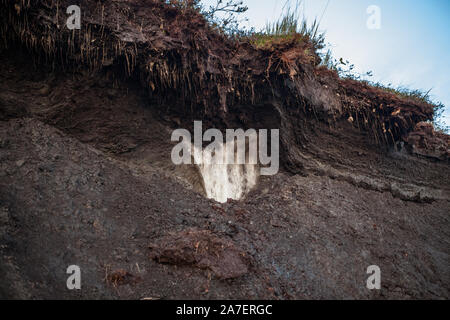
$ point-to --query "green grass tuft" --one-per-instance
(290, 26)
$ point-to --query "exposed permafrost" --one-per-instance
(227, 181)
(223, 182)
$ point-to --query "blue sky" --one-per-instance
(410, 49)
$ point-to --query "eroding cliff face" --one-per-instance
(427, 142)
(86, 174)
(193, 70)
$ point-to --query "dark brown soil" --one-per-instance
(204, 250)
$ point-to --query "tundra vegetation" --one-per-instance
(292, 26)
